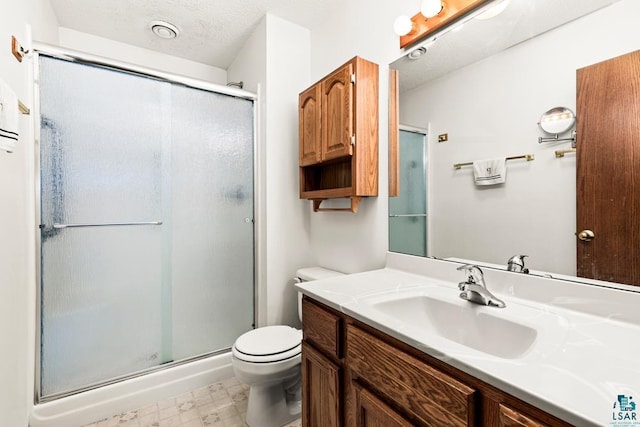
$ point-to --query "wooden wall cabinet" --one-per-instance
(355, 375)
(338, 135)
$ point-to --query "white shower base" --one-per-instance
(90, 406)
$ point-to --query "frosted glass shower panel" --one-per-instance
(407, 211)
(101, 157)
(212, 220)
(147, 241)
(102, 140)
(99, 322)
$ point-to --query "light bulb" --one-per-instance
(494, 10)
(402, 25)
(430, 8)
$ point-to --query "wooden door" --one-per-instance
(321, 397)
(608, 169)
(309, 120)
(337, 113)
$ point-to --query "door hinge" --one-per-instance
(353, 78)
(353, 140)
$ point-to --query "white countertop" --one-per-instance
(587, 350)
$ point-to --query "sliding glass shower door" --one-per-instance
(146, 223)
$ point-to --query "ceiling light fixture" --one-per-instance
(417, 53)
(164, 29)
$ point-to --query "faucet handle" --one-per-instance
(516, 263)
(469, 269)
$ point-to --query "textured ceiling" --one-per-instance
(212, 31)
(521, 20)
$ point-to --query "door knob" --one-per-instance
(586, 235)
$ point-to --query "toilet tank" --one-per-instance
(309, 274)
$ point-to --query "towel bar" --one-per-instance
(106, 224)
(529, 158)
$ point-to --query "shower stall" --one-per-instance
(146, 216)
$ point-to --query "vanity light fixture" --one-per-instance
(164, 30)
(404, 25)
(451, 13)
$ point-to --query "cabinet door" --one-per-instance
(309, 112)
(321, 397)
(372, 412)
(337, 113)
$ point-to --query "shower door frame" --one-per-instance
(89, 59)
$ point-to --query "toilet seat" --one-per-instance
(268, 344)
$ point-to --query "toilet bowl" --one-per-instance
(268, 360)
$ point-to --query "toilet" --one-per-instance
(268, 360)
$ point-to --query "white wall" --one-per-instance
(17, 223)
(277, 58)
(344, 241)
(491, 109)
(288, 240)
(100, 46)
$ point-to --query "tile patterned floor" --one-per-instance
(222, 404)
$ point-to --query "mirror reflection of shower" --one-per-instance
(408, 211)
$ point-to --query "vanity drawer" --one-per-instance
(322, 328)
(428, 394)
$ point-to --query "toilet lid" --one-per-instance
(268, 344)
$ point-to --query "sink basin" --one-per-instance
(485, 329)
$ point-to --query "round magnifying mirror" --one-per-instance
(557, 120)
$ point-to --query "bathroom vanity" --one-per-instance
(398, 347)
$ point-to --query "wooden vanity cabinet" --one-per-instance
(338, 135)
(355, 375)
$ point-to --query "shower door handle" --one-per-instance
(406, 215)
(106, 224)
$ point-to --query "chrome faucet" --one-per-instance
(475, 290)
(516, 263)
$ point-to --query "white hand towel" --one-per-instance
(8, 118)
(490, 171)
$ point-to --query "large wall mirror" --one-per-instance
(485, 87)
